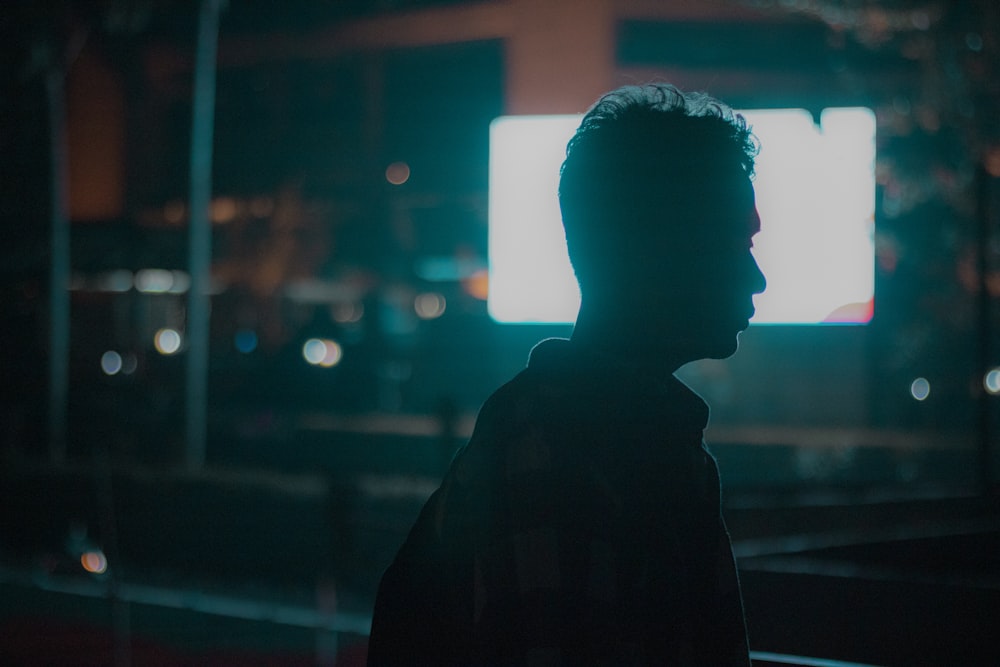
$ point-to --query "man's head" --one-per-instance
(659, 212)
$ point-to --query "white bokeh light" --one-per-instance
(991, 381)
(111, 362)
(920, 389)
(322, 352)
(167, 341)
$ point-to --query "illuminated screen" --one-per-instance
(815, 188)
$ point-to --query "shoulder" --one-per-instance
(505, 416)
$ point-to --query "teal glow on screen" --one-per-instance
(815, 188)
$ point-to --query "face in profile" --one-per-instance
(697, 292)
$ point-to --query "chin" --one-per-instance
(706, 343)
(723, 349)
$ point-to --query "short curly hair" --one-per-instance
(639, 156)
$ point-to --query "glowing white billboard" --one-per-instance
(815, 188)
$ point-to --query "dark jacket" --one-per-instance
(580, 525)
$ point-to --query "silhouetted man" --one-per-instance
(581, 524)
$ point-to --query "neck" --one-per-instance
(625, 340)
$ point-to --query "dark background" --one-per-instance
(865, 521)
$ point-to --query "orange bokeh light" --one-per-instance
(478, 284)
(94, 562)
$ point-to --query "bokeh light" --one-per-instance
(181, 282)
(429, 305)
(313, 351)
(322, 352)
(991, 161)
(111, 362)
(94, 562)
(348, 312)
(223, 209)
(154, 281)
(167, 341)
(117, 281)
(992, 381)
(477, 285)
(130, 363)
(245, 340)
(920, 389)
(174, 212)
(397, 173)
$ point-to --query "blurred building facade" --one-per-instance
(350, 187)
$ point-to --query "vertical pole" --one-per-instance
(985, 325)
(59, 301)
(200, 236)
